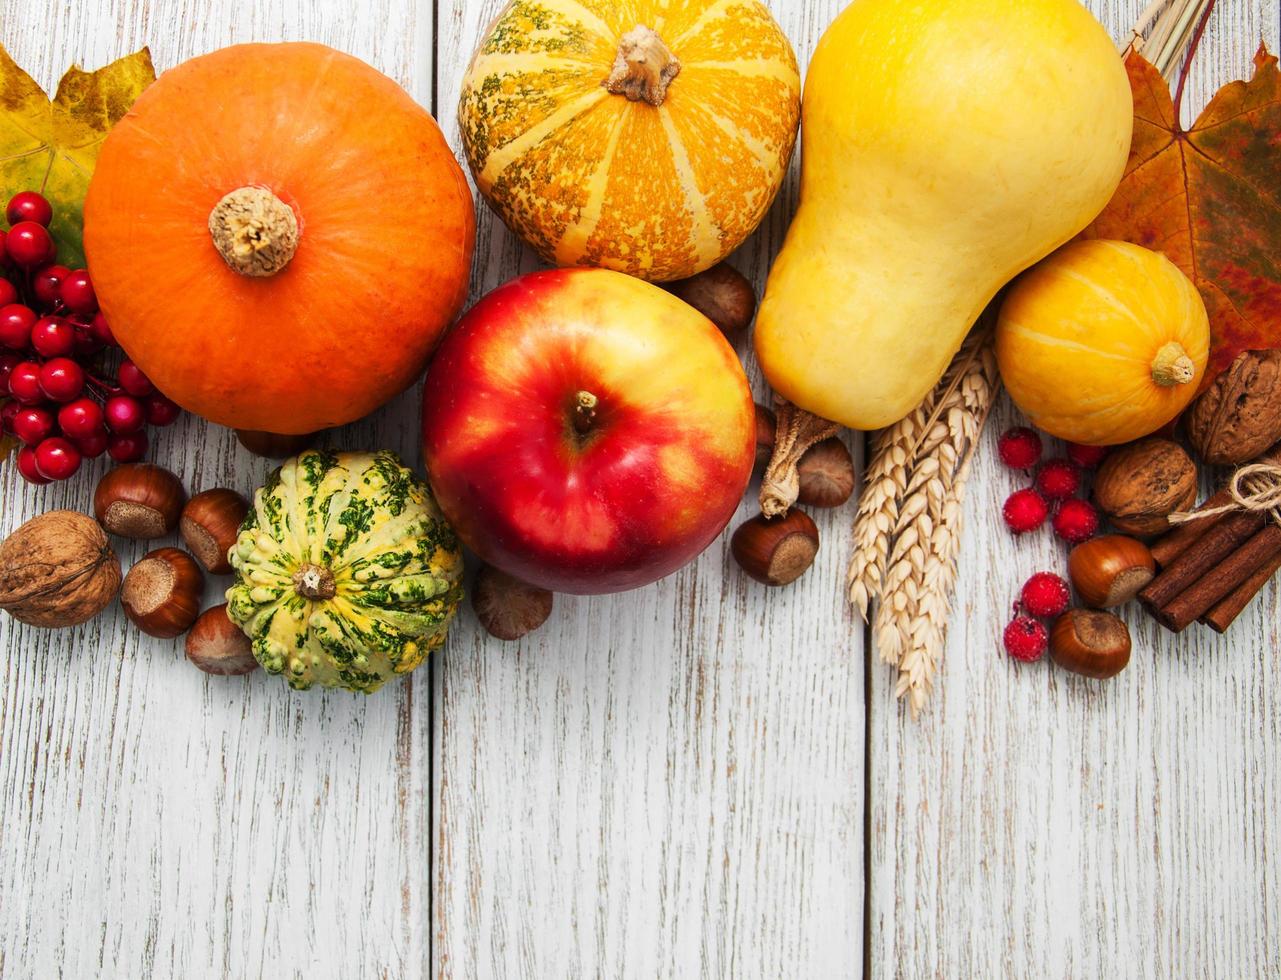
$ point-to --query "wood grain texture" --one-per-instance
(1037, 824)
(664, 784)
(667, 783)
(158, 822)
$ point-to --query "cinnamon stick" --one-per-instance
(1225, 613)
(1200, 557)
(1221, 580)
(1166, 549)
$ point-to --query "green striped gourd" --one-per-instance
(346, 572)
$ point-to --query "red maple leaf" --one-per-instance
(1210, 198)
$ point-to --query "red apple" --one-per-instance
(587, 432)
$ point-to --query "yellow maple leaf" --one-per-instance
(52, 146)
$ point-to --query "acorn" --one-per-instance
(210, 524)
(139, 500)
(1090, 643)
(776, 551)
(161, 593)
(1111, 570)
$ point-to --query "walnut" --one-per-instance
(57, 570)
(1239, 416)
(1140, 485)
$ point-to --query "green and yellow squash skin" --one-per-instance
(346, 572)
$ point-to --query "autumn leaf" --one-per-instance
(52, 146)
(1210, 199)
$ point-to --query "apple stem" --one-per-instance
(797, 431)
(584, 412)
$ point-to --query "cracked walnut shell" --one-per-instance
(1140, 485)
(1238, 417)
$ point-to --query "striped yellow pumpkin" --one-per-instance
(647, 136)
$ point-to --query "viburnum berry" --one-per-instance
(62, 379)
(29, 206)
(8, 361)
(1076, 521)
(1026, 639)
(80, 418)
(16, 322)
(100, 331)
(30, 244)
(1059, 479)
(57, 458)
(1020, 448)
(1046, 595)
(8, 292)
(127, 447)
(93, 445)
(52, 336)
(124, 414)
(33, 424)
(27, 466)
(8, 411)
(1025, 511)
(77, 293)
(24, 383)
(132, 380)
(160, 410)
(4, 249)
(86, 343)
(46, 283)
(1086, 457)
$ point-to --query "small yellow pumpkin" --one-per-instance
(647, 137)
(1103, 342)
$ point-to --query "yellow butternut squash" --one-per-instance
(946, 147)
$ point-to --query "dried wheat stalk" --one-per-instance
(1165, 30)
(907, 530)
(908, 526)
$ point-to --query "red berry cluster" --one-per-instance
(1044, 596)
(1055, 488)
(62, 406)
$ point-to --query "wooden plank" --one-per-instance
(1036, 824)
(159, 822)
(667, 783)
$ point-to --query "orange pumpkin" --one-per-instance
(278, 235)
(648, 137)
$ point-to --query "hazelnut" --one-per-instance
(1111, 570)
(139, 500)
(826, 473)
(57, 570)
(209, 526)
(161, 594)
(1238, 417)
(218, 646)
(507, 607)
(1090, 643)
(778, 550)
(269, 445)
(722, 294)
(766, 427)
(1140, 485)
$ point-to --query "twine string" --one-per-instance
(1255, 488)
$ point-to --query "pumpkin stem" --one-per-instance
(315, 583)
(1172, 366)
(644, 67)
(584, 412)
(796, 432)
(254, 231)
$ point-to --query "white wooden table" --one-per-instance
(700, 779)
